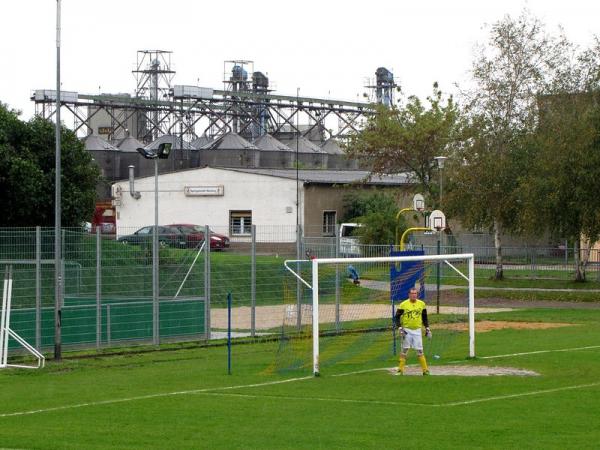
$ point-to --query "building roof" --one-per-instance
(332, 176)
(169, 138)
(333, 147)
(304, 145)
(229, 141)
(129, 144)
(92, 142)
(268, 143)
(200, 141)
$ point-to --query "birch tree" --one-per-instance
(519, 62)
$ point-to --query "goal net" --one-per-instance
(339, 311)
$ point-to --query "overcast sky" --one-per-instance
(326, 48)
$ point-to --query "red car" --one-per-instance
(194, 235)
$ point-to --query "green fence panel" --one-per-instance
(122, 320)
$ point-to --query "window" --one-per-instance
(329, 219)
(240, 222)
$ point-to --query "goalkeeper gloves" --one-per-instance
(402, 332)
(428, 333)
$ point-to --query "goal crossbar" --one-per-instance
(316, 262)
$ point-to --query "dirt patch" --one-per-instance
(491, 325)
(467, 371)
(268, 317)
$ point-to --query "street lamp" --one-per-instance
(440, 163)
(162, 152)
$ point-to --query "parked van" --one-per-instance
(349, 241)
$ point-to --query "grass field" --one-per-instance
(183, 397)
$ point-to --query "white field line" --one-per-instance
(319, 399)
(462, 361)
(214, 391)
(392, 403)
(537, 352)
(522, 394)
(345, 374)
(149, 396)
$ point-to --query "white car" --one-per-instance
(349, 242)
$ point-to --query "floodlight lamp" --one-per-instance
(148, 154)
(440, 161)
(164, 150)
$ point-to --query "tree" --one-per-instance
(407, 138)
(561, 196)
(519, 62)
(377, 212)
(27, 173)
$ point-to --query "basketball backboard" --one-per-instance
(437, 220)
(418, 202)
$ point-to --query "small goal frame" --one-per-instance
(6, 331)
(316, 263)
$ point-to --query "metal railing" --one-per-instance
(107, 298)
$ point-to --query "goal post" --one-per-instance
(6, 332)
(321, 268)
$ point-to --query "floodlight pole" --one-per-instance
(155, 274)
(162, 152)
(297, 159)
(57, 206)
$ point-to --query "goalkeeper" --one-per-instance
(410, 318)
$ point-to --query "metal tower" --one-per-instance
(153, 76)
(383, 86)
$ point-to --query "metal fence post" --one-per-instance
(298, 285)
(38, 288)
(207, 281)
(337, 279)
(98, 288)
(108, 324)
(253, 284)
(62, 294)
(437, 276)
(229, 332)
(62, 270)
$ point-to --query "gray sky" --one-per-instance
(326, 48)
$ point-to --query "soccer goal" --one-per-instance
(344, 307)
(6, 332)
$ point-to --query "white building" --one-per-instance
(230, 200)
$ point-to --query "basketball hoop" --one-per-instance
(437, 221)
(418, 203)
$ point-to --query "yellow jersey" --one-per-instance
(413, 314)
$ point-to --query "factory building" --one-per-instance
(270, 198)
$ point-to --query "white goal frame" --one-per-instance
(316, 262)
(6, 332)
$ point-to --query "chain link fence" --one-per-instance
(108, 298)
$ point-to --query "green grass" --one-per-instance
(368, 410)
(525, 295)
(516, 280)
(513, 278)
